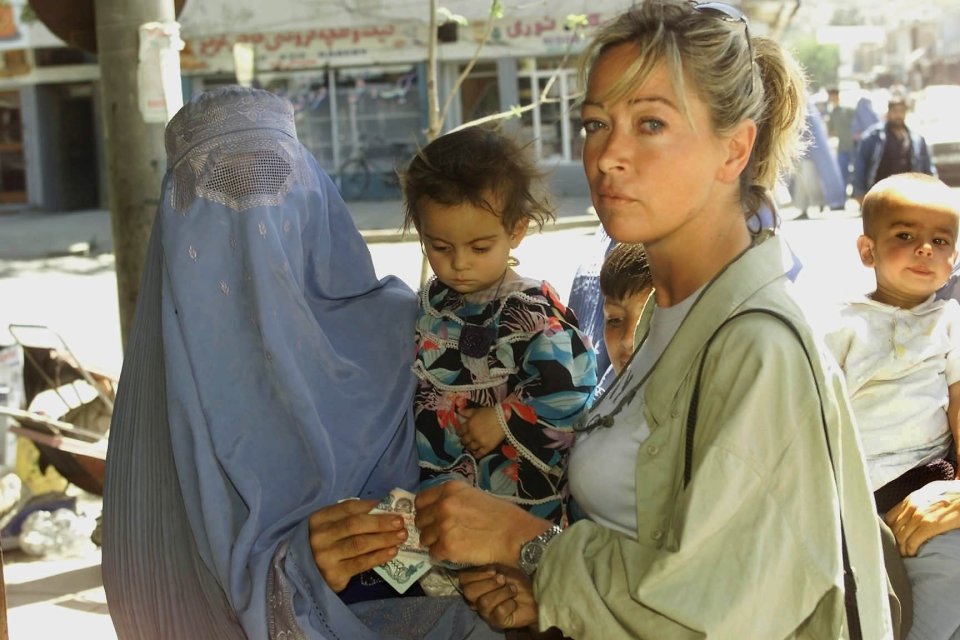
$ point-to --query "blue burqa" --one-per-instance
(586, 301)
(864, 117)
(267, 375)
(831, 183)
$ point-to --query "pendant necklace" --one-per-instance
(476, 339)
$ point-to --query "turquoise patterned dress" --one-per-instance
(516, 348)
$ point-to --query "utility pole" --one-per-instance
(136, 159)
(434, 125)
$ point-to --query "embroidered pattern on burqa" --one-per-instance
(267, 375)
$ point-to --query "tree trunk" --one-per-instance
(136, 160)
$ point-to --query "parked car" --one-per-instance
(935, 116)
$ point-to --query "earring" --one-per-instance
(512, 262)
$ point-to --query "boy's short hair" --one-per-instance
(477, 164)
(625, 271)
(903, 190)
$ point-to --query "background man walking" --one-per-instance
(889, 148)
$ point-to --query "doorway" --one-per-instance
(13, 175)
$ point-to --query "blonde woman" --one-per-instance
(721, 475)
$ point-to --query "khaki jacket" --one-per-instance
(751, 548)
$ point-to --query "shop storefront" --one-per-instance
(50, 133)
(360, 93)
(361, 123)
(554, 126)
(359, 120)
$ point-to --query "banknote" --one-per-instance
(413, 559)
(400, 502)
(404, 570)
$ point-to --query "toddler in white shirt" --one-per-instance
(899, 347)
(900, 351)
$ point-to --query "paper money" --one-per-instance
(413, 559)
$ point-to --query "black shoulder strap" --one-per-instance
(849, 583)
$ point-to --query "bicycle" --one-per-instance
(356, 172)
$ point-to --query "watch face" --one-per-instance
(531, 553)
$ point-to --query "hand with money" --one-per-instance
(412, 560)
(460, 523)
(346, 540)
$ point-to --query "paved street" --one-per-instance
(76, 296)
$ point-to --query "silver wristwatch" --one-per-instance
(532, 550)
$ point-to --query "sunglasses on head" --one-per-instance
(728, 13)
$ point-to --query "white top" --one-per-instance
(602, 461)
(898, 364)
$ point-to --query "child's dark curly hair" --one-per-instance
(479, 165)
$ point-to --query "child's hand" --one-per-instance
(480, 430)
(501, 595)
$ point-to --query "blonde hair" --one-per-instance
(712, 55)
(916, 190)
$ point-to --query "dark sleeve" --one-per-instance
(860, 160)
(926, 162)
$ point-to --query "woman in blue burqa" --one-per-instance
(267, 377)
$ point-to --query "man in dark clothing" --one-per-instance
(888, 148)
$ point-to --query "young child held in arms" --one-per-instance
(900, 352)
(503, 369)
(625, 284)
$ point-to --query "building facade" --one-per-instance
(355, 72)
(51, 154)
(357, 78)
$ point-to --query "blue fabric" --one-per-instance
(864, 117)
(585, 300)
(831, 182)
(844, 161)
(951, 288)
(934, 582)
(267, 376)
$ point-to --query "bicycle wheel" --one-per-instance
(354, 179)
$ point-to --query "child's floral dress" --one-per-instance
(516, 348)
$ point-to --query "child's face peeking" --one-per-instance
(467, 246)
(912, 250)
(620, 319)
